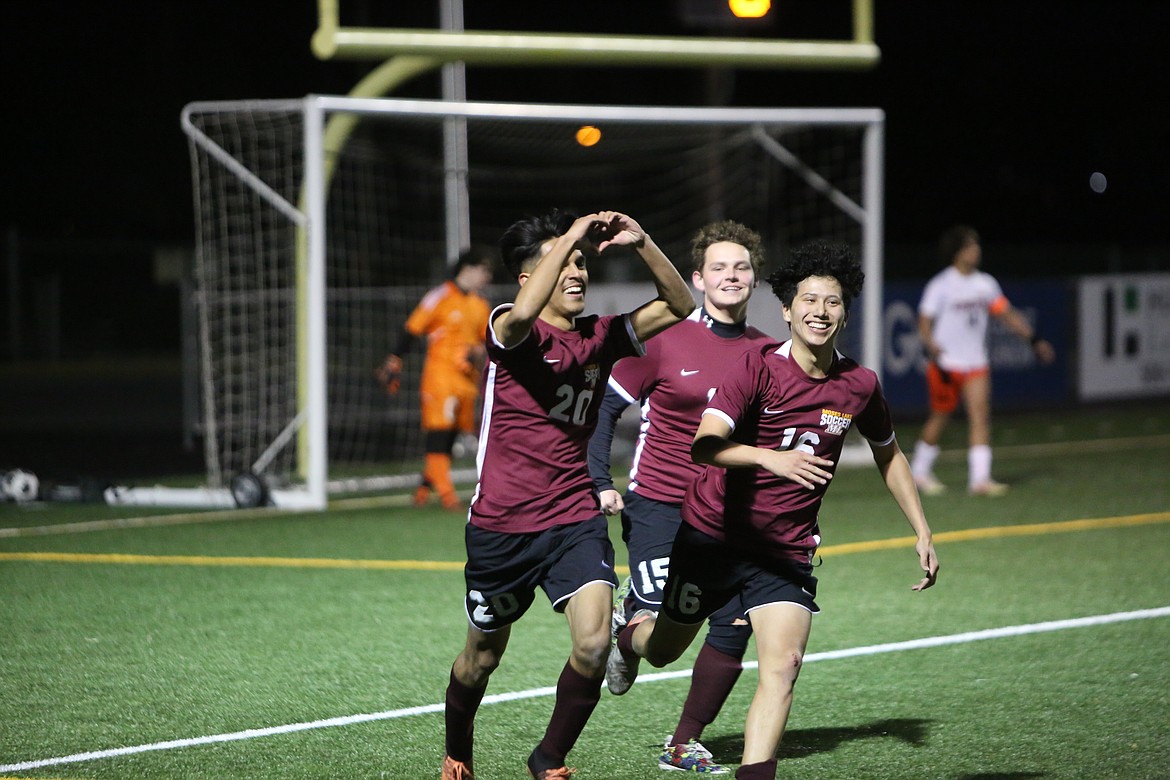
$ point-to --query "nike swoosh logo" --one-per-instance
(773, 411)
(551, 362)
(686, 372)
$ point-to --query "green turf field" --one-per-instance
(261, 645)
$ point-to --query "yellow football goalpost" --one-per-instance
(515, 48)
(251, 407)
(409, 53)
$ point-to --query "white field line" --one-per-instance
(348, 720)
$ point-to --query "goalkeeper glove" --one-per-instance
(389, 374)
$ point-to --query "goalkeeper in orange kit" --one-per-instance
(453, 318)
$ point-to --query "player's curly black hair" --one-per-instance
(522, 241)
(818, 258)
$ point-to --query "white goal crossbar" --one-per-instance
(301, 198)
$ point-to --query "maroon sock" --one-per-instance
(577, 696)
(765, 770)
(625, 640)
(459, 714)
(714, 675)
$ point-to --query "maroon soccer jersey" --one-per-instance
(673, 383)
(540, 403)
(770, 402)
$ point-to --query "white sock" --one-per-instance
(978, 464)
(924, 457)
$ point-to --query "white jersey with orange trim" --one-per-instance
(959, 304)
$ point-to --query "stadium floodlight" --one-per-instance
(749, 9)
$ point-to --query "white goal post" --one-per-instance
(311, 251)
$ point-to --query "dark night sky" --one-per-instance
(998, 111)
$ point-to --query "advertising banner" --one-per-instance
(1124, 336)
(1018, 380)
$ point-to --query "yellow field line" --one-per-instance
(970, 534)
(1001, 531)
(210, 560)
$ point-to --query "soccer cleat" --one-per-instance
(451, 502)
(691, 757)
(621, 670)
(422, 494)
(929, 486)
(988, 488)
(456, 770)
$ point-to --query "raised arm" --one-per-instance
(674, 302)
(895, 471)
(513, 325)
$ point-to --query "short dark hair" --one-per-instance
(953, 239)
(731, 231)
(818, 258)
(520, 244)
(476, 254)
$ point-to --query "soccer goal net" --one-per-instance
(322, 221)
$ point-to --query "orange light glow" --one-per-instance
(588, 135)
(749, 9)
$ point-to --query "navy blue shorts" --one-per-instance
(504, 570)
(728, 629)
(648, 529)
(706, 574)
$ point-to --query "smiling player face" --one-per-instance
(568, 298)
(727, 280)
(817, 314)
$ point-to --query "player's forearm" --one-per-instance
(895, 471)
(717, 451)
(672, 289)
(673, 303)
(514, 325)
(911, 506)
(926, 336)
(601, 442)
(900, 482)
(538, 288)
(1017, 324)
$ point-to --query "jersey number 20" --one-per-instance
(562, 411)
